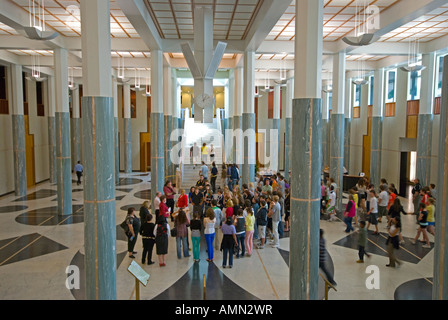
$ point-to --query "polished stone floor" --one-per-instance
(37, 245)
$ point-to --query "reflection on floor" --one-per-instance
(37, 245)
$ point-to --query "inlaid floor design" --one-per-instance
(37, 245)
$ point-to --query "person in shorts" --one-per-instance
(423, 224)
(373, 212)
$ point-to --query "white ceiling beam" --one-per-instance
(266, 18)
(140, 18)
(15, 17)
(396, 16)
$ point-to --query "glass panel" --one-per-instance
(415, 79)
(391, 82)
(357, 95)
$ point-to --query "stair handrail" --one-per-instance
(328, 286)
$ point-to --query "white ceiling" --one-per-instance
(234, 21)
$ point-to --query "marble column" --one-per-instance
(175, 110)
(127, 128)
(76, 127)
(440, 282)
(157, 124)
(276, 126)
(18, 131)
(337, 126)
(62, 125)
(348, 122)
(347, 133)
(325, 132)
(237, 118)
(51, 129)
(288, 124)
(98, 152)
(425, 119)
(116, 131)
(228, 134)
(248, 169)
(306, 151)
(168, 128)
(168, 122)
(377, 128)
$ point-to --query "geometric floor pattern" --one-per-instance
(37, 245)
(376, 244)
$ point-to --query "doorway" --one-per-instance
(408, 163)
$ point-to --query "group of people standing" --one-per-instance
(231, 220)
(370, 206)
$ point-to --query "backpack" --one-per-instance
(125, 226)
(262, 216)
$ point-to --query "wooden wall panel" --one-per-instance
(437, 105)
(413, 107)
(412, 126)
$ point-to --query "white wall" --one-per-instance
(394, 128)
(138, 125)
(6, 154)
(358, 130)
(39, 128)
(435, 150)
(267, 124)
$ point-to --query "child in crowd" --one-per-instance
(362, 242)
(331, 206)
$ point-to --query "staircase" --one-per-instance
(199, 133)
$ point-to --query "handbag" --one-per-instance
(173, 232)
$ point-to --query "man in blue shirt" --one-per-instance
(204, 170)
(78, 170)
(234, 176)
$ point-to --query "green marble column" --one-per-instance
(18, 137)
(337, 123)
(248, 172)
(63, 163)
(305, 198)
(440, 282)
(99, 197)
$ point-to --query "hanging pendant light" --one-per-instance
(257, 94)
(35, 70)
(36, 30)
(137, 82)
(414, 64)
(120, 71)
(282, 81)
(360, 80)
(148, 87)
(267, 88)
(363, 23)
(71, 81)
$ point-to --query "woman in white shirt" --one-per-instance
(373, 212)
(209, 232)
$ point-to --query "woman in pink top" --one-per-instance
(350, 212)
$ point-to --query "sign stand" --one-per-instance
(140, 276)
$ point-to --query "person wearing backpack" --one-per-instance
(240, 227)
(261, 217)
(133, 223)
